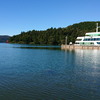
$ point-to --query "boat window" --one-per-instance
(91, 43)
(98, 42)
(76, 43)
(96, 39)
(85, 40)
(91, 39)
(88, 39)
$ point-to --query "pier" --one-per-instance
(68, 47)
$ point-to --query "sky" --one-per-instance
(17, 16)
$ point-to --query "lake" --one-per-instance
(30, 72)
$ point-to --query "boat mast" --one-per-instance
(97, 27)
(66, 40)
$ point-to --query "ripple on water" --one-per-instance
(38, 73)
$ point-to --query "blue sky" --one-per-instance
(24, 15)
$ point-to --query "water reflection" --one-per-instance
(29, 46)
(30, 72)
(41, 47)
(86, 72)
(88, 57)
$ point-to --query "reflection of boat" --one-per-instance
(91, 38)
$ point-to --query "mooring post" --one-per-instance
(66, 40)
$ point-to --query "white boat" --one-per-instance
(91, 38)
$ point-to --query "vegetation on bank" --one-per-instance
(54, 36)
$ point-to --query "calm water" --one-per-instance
(47, 73)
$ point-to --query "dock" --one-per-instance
(68, 47)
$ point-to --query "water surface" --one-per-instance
(47, 73)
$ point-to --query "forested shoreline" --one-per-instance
(54, 36)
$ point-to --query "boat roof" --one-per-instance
(93, 33)
(80, 37)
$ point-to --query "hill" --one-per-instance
(4, 38)
(54, 36)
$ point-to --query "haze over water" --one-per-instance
(48, 73)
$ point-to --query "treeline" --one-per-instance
(54, 36)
